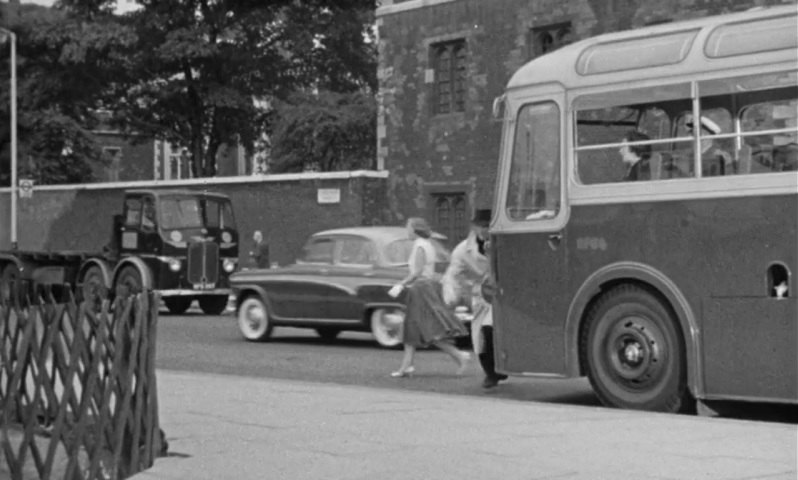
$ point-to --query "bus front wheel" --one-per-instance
(634, 352)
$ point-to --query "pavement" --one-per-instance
(229, 427)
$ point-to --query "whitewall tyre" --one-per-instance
(253, 320)
(387, 326)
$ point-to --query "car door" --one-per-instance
(300, 291)
(353, 267)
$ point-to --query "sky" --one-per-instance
(122, 6)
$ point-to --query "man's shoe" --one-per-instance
(489, 382)
(501, 376)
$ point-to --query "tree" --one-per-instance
(62, 63)
(329, 131)
(204, 73)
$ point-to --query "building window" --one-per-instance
(449, 63)
(541, 40)
(449, 216)
(113, 157)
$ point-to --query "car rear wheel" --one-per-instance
(387, 326)
(177, 305)
(253, 320)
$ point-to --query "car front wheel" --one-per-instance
(253, 320)
(387, 326)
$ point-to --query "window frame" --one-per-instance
(453, 76)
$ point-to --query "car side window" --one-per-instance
(318, 250)
(356, 251)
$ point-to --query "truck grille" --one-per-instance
(203, 263)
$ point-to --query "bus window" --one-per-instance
(534, 183)
(765, 137)
(606, 121)
(716, 142)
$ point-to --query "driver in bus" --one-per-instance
(714, 160)
(637, 157)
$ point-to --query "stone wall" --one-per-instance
(284, 207)
(428, 153)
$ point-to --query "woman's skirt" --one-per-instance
(428, 319)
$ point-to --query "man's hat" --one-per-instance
(706, 124)
(481, 217)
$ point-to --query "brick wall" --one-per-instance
(283, 207)
(426, 153)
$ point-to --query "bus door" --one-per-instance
(530, 260)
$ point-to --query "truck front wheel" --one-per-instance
(128, 282)
(177, 305)
(213, 304)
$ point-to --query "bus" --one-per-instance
(645, 221)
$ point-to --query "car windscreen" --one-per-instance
(398, 251)
(180, 212)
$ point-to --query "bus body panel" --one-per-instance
(733, 241)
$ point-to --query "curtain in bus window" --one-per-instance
(534, 185)
(629, 134)
(761, 135)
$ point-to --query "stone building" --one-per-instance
(443, 62)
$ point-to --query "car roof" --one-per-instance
(381, 233)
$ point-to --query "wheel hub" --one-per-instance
(255, 317)
(636, 350)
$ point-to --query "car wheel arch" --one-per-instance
(250, 291)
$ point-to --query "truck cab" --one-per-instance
(182, 243)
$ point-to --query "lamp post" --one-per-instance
(13, 61)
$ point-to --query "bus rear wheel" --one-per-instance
(634, 352)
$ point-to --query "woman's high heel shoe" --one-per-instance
(465, 361)
(403, 373)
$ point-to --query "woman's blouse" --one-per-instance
(428, 269)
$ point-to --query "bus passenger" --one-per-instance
(636, 156)
(714, 160)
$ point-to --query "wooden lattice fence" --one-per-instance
(78, 394)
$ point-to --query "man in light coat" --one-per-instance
(468, 269)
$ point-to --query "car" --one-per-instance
(339, 282)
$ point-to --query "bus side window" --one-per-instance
(627, 135)
(765, 137)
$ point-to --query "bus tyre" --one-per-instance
(213, 304)
(177, 305)
(253, 320)
(634, 352)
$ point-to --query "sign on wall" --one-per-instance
(328, 195)
(25, 188)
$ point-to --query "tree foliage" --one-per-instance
(62, 62)
(325, 132)
(197, 73)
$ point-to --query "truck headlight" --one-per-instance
(174, 265)
(228, 265)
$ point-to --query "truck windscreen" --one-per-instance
(178, 213)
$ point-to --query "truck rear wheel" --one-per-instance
(213, 304)
(10, 287)
(93, 284)
(177, 305)
(634, 352)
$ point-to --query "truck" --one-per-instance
(180, 243)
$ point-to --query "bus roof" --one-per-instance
(754, 37)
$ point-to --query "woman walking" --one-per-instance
(428, 321)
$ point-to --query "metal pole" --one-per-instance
(13, 140)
